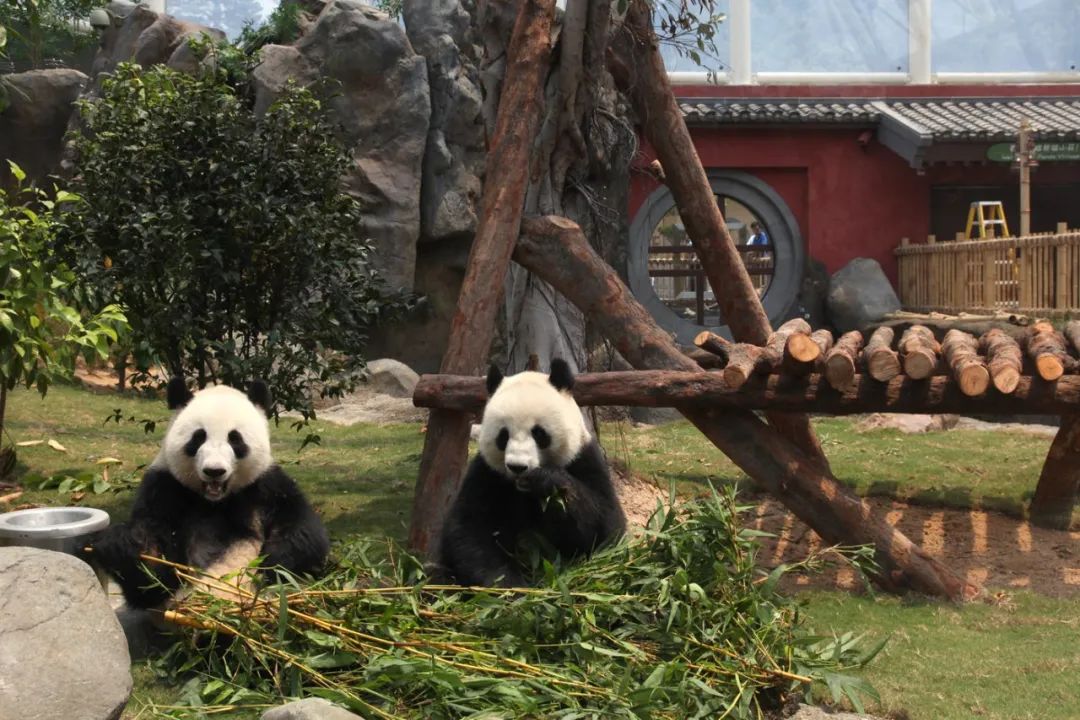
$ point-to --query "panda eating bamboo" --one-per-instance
(212, 499)
(539, 472)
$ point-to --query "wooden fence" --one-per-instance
(1036, 274)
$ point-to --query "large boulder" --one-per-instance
(32, 126)
(441, 31)
(379, 97)
(309, 709)
(140, 35)
(860, 295)
(62, 651)
(391, 377)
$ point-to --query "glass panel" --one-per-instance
(1006, 35)
(226, 15)
(677, 276)
(711, 60)
(829, 35)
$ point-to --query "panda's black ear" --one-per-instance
(177, 393)
(561, 376)
(259, 394)
(494, 379)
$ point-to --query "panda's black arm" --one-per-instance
(580, 508)
(154, 529)
(295, 538)
(479, 530)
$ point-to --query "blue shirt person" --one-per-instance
(758, 236)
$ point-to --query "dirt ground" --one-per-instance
(989, 549)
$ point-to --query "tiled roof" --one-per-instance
(714, 110)
(987, 120)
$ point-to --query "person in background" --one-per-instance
(758, 236)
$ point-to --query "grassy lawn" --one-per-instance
(1014, 659)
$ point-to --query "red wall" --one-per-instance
(849, 200)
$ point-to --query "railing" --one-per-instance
(1035, 274)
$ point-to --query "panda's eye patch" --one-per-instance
(502, 439)
(540, 435)
(239, 447)
(197, 439)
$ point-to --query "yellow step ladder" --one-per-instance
(987, 214)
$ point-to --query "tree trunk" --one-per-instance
(1072, 332)
(961, 353)
(639, 72)
(446, 443)
(919, 352)
(1055, 495)
(882, 362)
(556, 249)
(1004, 358)
(842, 362)
(1046, 348)
(695, 389)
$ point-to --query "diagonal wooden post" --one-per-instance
(505, 181)
(1055, 495)
(557, 251)
(639, 71)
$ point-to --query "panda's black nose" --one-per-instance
(516, 469)
(214, 472)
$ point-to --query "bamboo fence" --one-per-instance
(1037, 274)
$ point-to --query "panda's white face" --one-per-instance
(218, 443)
(528, 422)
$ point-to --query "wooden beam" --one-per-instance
(446, 443)
(1055, 495)
(557, 251)
(664, 388)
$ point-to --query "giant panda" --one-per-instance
(538, 472)
(213, 499)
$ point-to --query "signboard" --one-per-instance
(1044, 151)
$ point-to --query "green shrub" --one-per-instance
(225, 234)
(42, 328)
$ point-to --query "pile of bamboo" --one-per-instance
(972, 362)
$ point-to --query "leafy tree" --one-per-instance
(225, 234)
(42, 329)
(229, 16)
(40, 29)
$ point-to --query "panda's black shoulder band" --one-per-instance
(561, 376)
(177, 394)
(494, 379)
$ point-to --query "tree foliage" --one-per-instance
(40, 29)
(226, 235)
(42, 328)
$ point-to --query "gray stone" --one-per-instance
(62, 651)
(148, 38)
(32, 127)
(391, 377)
(860, 295)
(442, 32)
(809, 712)
(379, 98)
(309, 709)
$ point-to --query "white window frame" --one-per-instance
(920, 65)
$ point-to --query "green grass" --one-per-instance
(958, 468)
(1010, 661)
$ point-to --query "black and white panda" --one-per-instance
(538, 471)
(213, 498)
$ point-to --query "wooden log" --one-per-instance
(1072, 334)
(805, 354)
(442, 463)
(557, 251)
(939, 394)
(1055, 495)
(743, 361)
(1003, 358)
(638, 69)
(881, 361)
(918, 352)
(713, 343)
(961, 353)
(842, 361)
(703, 358)
(1046, 348)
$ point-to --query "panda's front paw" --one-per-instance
(537, 483)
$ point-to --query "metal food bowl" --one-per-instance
(63, 529)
